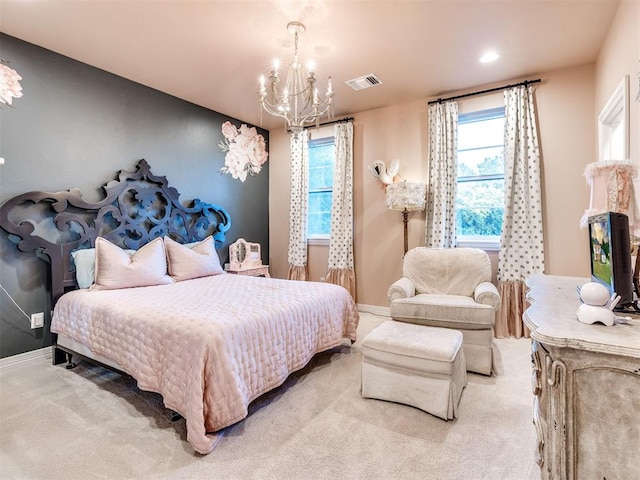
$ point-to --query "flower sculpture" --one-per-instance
(9, 84)
(246, 151)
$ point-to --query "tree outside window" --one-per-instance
(321, 166)
(480, 178)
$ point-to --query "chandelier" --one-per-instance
(298, 102)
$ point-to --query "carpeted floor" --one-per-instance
(89, 423)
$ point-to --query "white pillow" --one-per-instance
(85, 263)
(84, 260)
(115, 268)
(193, 260)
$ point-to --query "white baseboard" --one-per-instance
(14, 360)
(375, 309)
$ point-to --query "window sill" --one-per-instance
(487, 246)
(318, 241)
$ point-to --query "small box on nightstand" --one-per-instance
(245, 259)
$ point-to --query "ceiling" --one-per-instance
(212, 52)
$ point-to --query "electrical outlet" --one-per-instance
(37, 320)
(322, 279)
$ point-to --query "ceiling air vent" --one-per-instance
(366, 81)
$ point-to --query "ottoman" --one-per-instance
(415, 365)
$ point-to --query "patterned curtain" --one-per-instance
(521, 247)
(341, 271)
(441, 186)
(297, 254)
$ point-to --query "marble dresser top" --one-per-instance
(552, 319)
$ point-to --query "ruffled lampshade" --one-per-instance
(406, 195)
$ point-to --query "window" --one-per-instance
(321, 164)
(480, 195)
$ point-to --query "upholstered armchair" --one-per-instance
(450, 288)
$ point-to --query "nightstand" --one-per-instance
(260, 271)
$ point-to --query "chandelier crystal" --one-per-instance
(298, 102)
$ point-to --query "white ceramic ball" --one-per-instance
(593, 293)
(591, 314)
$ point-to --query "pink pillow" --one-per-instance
(115, 268)
(193, 260)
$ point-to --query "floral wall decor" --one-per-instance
(10, 87)
(246, 151)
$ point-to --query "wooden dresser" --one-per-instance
(586, 386)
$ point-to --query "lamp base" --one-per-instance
(405, 220)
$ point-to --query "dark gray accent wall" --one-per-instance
(75, 127)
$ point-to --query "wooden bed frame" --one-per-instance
(137, 207)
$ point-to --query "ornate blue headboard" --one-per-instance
(137, 207)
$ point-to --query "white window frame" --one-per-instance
(484, 242)
(319, 239)
(613, 125)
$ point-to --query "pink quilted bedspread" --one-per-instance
(211, 345)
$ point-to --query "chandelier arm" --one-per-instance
(271, 111)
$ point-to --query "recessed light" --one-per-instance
(489, 57)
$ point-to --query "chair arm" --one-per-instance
(402, 288)
(487, 294)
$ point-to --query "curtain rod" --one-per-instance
(331, 122)
(496, 89)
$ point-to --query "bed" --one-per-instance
(208, 342)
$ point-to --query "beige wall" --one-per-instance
(620, 56)
(567, 143)
(567, 139)
(279, 170)
(567, 103)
